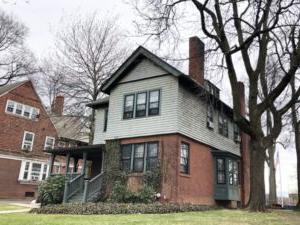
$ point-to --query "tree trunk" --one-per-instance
(272, 176)
(257, 178)
(297, 143)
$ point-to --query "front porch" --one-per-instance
(84, 179)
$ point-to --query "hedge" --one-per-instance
(118, 208)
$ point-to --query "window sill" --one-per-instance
(21, 117)
(185, 175)
(29, 182)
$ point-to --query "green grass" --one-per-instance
(7, 206)
(217, 217)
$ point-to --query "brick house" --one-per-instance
(159, 114)
(26, 131)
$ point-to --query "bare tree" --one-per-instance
(15, 59)
(89, 50)
(254, 30)
(296, 128)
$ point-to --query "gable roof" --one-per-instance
(9, 87)
(70, 127)
(139, 54)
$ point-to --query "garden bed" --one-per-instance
(119, 208)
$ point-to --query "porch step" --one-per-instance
(76, 198)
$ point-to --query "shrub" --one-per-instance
(51, 191)
(120, 194)
(118, 208)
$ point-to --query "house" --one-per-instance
(71, 131)
(162, 116)
(26, 132)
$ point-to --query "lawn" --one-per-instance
(217, 217)
(7, 206)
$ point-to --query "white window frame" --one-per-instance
(23, 142)
(22, 170)
(31, 108)
(45, 145)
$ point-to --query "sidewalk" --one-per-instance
(22, 203)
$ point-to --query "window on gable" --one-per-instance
(221, 172)
(223, 125)
(141, 104)
(154, 98)
(128, 106)
(49, 143)
(28, 141)
(27, 111)
(19, 109)
(184, 158)
(10, 106)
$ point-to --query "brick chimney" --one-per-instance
(196, 59)
(58, 105)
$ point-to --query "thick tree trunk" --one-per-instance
(257, 178)
(297, 143)
(272, 176)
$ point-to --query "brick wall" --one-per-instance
(13, 127)
(197, 187)
(11, 137)
(10, 187)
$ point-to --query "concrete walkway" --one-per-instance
(23, 203)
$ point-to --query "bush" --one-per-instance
(120, 194)
(51, 191)
(118, 208)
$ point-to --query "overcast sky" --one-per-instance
(44, 18)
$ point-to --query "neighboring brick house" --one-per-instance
(26, 131)
(160, 114)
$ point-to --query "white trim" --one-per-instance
(20, 158)
(31, 146)
(31, 162)
(50, 137)
(31, 108)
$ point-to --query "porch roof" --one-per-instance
(77, 152)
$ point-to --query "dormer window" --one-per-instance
(128, 106)
(141, 104)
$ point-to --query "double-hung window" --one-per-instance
(128, 106)
(139, 157)
(141, 104)
(152, 156)
(22, 110)
(184, 158)
(221, 171)
(236, 133)
(138, 160)
(10, 106)
(49, 143)
(28, 140)
(223, 125)
(154, 102)
(210, 117)
(33, 171)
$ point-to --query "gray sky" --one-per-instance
(44, 18)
